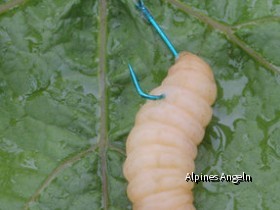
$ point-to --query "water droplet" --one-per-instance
(179, 17)
(29, 163)
(10, 146)
(245, 137)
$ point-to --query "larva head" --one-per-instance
(188, 60)
(191, 72)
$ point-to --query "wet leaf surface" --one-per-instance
(67, 102)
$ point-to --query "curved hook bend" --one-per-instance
(138, 88)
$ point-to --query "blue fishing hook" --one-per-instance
(140, 6)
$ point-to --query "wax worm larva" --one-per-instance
(162, 146)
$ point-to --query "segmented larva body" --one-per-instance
(162, 145)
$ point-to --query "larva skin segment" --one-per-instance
(194, 81)
(161, 157)
(197, 107)
(171, 115)
(142, 135)
(157, 180)
(152, 202)
(162, 145)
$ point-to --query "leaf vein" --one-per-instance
(10, 5)
(64, 165)
(103, 141)
(228, 31)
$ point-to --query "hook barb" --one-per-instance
(138, 88)
(140, 6)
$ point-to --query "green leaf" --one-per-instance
(67, 102)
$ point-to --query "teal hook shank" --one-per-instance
(152, 21)
(138, 88)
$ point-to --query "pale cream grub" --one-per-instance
(162, 146)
